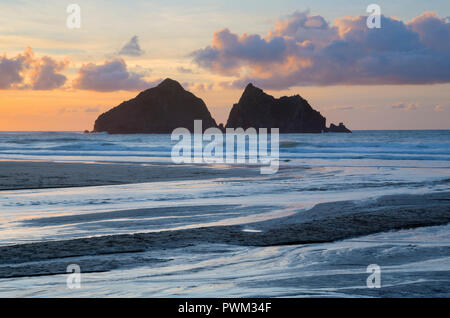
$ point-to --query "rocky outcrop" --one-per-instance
(168, 106)
(290, 114)
(338, 129)
(157, 110)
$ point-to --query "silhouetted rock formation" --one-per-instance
(157, 110)
(290, 114)
(168, 106)
(339, 129)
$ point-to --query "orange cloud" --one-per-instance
(110, 76)
(25, 71)
(305, 50)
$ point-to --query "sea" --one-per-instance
(314, 168)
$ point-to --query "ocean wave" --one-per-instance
(416, 145)
(110, 155)
(291, 144)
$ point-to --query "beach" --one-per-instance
(139, 226)
(231, 150)
(39, 175)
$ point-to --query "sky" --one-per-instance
(53, 77)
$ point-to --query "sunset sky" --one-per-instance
(396, 77)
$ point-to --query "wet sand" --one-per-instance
(327, 222)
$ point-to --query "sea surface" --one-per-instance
(314, 168)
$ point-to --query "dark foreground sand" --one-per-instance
(325, 222)
(40, 174)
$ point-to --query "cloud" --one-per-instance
(10, 71)
(230, 52)
(45, 74)
(132, 48)
(144, 71)
(95, 109)
(111, 76)
(181, 69)
(307, 50)
(302, 27)
(405, 106)
(65, 110)
(73, 110)
(439, 108)
(341, 108)
(199, 87)
(25, 71)
(432, 30)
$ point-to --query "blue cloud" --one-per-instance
(42, 73)
(307, 50)
(113, 75)
(132, 48)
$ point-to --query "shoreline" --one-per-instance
(33, 175)
(324, 223)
